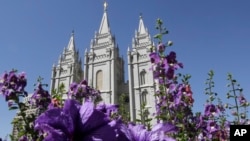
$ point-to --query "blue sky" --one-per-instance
(206, 34)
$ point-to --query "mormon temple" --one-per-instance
(103, 67)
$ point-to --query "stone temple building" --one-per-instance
(103, 67)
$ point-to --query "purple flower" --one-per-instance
(201, 123)
(161, 47)
(154, 57)
(78, 122)
(78, 90)
(170, 73)
(212, 127)
(211, 110)
(59, 123)
(185, 93)
(22, 81)
(40, 98)
(171, 87)
(171, 61)
(107, 109)
(82, 90)
(171, 58)
(12, 82)
(12, 86)
(3, 83)
(242, 100)
(23, 138)
(72, 89)
(108, 132)
(140, 133)
(95, 125)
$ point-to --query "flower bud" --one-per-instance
(226, 105)
(243, 116)
(161, 47)
(170, 43)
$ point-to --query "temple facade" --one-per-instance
(103, 68)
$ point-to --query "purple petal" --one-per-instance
(135, 132)
(91, 118)
(71, 108)
(165, 127)
(107, 133)
(56, 119)
(52, 134)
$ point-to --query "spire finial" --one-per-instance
(105, 5)
(140, 16)
(73, 32)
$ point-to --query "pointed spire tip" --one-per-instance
(104, 27)
(141, 29)
(71, 44)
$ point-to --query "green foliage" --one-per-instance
(210, 83)
(162, 30)
(23, 123)
(57, 95)
(123, 107)
(239, 110)
(144, 114)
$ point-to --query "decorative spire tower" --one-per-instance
(68, 69)
(103, 67)
(141, 83)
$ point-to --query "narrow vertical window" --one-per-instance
(143, 77)
(144, 97)
(99, 80)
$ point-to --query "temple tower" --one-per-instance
(141, 83)
(103, 67)
(68, 69)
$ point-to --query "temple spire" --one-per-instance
(71, 45)
(141, 29)
(104, 27)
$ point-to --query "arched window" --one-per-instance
(144, 106)
(99, 79)
(143, 77)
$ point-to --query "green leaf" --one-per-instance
(159, 21)
(158, 36)
(148, 120)
(138, 120)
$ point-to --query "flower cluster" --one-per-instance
(174, 100)
(76, 122)
(83, 91)
(12, 87)
(40, 98)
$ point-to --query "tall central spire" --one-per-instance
(141, 28)
(104, 27)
